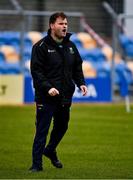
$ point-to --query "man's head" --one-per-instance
(58, 25)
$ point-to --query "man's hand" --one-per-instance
(83, 89)
(53, 92)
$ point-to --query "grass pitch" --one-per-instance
(97, 145)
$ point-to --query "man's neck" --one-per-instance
(56, 39)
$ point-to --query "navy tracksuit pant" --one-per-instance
(44, 114)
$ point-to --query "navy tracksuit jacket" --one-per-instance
(59, 66)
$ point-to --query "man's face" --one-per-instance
(59, 28)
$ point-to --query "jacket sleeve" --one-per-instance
(40, 81)
(78, 72)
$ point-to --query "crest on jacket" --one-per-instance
(71, 50)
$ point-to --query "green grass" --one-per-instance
(98, 144)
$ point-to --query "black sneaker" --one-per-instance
(53, 157)
(35, 169)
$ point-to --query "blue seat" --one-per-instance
(13, 68)
(76, 41)
(129, 49)
(97, 54)
(127, 44)
(86, 54)
(27, 55)
(98, 65)
(123, 70)
(2, 41)
(2, 68)
(123, 40)
(102, 72)
(27, 42)
(125, 79)
(2, 57)
(14, 40)
(11, 35)
(94, 55)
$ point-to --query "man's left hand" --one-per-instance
(84, 90)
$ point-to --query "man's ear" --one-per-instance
(51, 26)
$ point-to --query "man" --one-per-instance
(56, 67)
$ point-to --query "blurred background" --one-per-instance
(99, 143)
(102, 32)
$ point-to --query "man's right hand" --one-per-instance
(53, 92)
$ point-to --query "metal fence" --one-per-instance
(24, 21)
(18, 19)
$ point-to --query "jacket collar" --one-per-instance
(50, 39)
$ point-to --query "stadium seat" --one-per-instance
(98, 55)
(15, 43)
(13, 68)
(129, 50)
(123, 40)
(34, 36)
(123, 69)
(10, 34)
(2, 68)
(76, 41)
(2, 57)
(2, 41)
(27, 55)
(118, 58)
(102, 72)
(87, 41)
(127, 44)
(94, 55)
(14, 40)
(107, 51)
(27, 42)
(10, 68)
(130, 66)
(12, 37)
(10, 53)
(88, 70)
(86, 55)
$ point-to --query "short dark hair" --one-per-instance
(54, 16)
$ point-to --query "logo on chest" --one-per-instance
(51, 50)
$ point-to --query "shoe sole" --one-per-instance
(59, 167)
